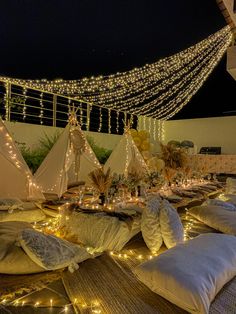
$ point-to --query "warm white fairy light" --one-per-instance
(109, 121)
(100, 120)
(156, 90)
(162, 131)
(81, 115)
(41, 108)
(131, 120)
(6, 101)
(24, 105)
(144, 123)
(117, 121)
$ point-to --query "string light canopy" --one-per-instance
(158, 90)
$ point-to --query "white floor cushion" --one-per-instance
(150, 225)
(13, 260)
(191, 274)
(171, 226)
(216, 217)
(17, 262)
(230, 186)
(51, 252)
(221, 203)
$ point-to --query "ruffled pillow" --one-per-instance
(150, 225)
(171, 226)
(221, 203)
(10, 203)
(51, 252)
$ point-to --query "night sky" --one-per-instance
(71, 39)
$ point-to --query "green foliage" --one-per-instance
(34, 157)
(101, 152)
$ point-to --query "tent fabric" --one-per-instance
(16, 178)
(126, 158)
(58, 169)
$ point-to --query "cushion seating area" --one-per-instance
(13, 259)
(38, 252)
(191, 274)
(216, 217)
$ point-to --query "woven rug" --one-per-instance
(102, 283)
(109, 281)
(12, 286)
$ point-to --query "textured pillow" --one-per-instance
(221, 203)
(9, 232)
(10, 203)
(191, 274)
(230, 186)
(230, 198)
(51, 252)
(216, 217)
(150, 225)
(171, 227)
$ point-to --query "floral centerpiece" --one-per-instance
(175, 159)
(101, 181)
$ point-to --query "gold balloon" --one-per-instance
(145, 145)
(143, 134)
(146, 154)
(137, 141)
(133, 132)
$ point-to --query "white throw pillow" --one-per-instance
(150, 224)
(191, 274)
(10, 203)
(51, 252)
(171, 226)
(230, 186)
(230, 198)
(216, 217)
(221, 203)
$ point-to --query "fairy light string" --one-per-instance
(157, 90)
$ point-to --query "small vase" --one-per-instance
(102, 198)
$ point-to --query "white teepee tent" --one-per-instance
(16, 179)
(126, 158)
(70, 159)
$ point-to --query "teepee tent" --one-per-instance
(16, 179)
(69, 161)
(126, 158)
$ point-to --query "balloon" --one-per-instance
(146, 154)
(145, 145)
(152, 162)
(133, 132)
(143, 134)
(151, 147)
(137, 141)
(160, 164)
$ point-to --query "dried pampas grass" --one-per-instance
(100, 180)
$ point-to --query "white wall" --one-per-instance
(204, 132)
(31, 133)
